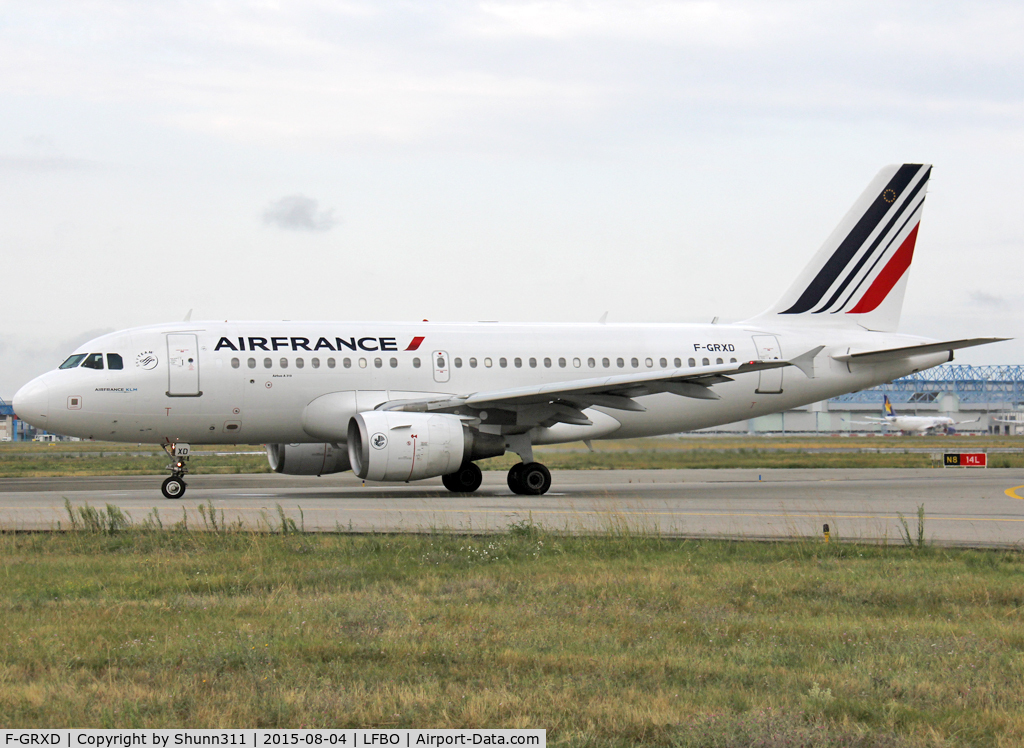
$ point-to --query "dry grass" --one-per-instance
(620, 640)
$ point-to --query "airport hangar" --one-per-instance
(994, 395)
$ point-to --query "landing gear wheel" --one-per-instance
(173, 488)
(464, 480)
(515, 478)
(535, 479)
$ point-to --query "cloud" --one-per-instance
(43, 156)
(476, 72)
(983, 298)
(299, 213)
(44, 163)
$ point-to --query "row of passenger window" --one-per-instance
(577, 363)
(93, 361)
(300, 363)
(606, 363)
(114, 361)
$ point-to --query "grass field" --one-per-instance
(98, 458)
(619, 640)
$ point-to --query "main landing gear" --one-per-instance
(525, 479)
(464, 480)
(529, 479)
(174, 487)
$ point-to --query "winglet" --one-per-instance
(805, 361)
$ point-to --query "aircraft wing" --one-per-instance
(870, 422)
(563, 402)
(893, 354)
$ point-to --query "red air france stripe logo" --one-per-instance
(837, 284)
(889, 276)
(415, 344)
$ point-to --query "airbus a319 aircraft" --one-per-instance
(407, 401)
(922, 425)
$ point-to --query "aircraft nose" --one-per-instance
(32, 403)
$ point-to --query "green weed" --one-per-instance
(917, 540)
(110, 519)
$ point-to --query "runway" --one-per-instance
(962, 507)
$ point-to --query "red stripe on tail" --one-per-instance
(889, 276)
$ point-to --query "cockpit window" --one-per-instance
(114, 361)
(73, 361)
(93, 361)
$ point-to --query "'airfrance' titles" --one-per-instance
(278, 343)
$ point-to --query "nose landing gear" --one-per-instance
(174, 487)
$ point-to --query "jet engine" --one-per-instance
(307, 459)
(392, 445)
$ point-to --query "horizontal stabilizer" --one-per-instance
(894, 354)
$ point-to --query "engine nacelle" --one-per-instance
(392, 445)
(307, 459)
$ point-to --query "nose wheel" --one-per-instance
(174, 487)
(529, 479)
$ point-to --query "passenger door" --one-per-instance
(182, 365)
(770, 380)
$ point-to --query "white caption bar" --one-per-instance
(268, 738)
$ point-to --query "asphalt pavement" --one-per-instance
(978, 507)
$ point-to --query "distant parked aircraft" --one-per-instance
(921, 425)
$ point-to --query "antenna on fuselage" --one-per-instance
(188, 317)
(604, 319)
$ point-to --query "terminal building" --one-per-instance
(9, 425)
(13, 429)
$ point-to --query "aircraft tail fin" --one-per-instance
(887, 410)
(859, 276)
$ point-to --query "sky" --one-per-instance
(513, 161)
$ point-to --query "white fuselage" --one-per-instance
(920, 424)
(250, 382)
